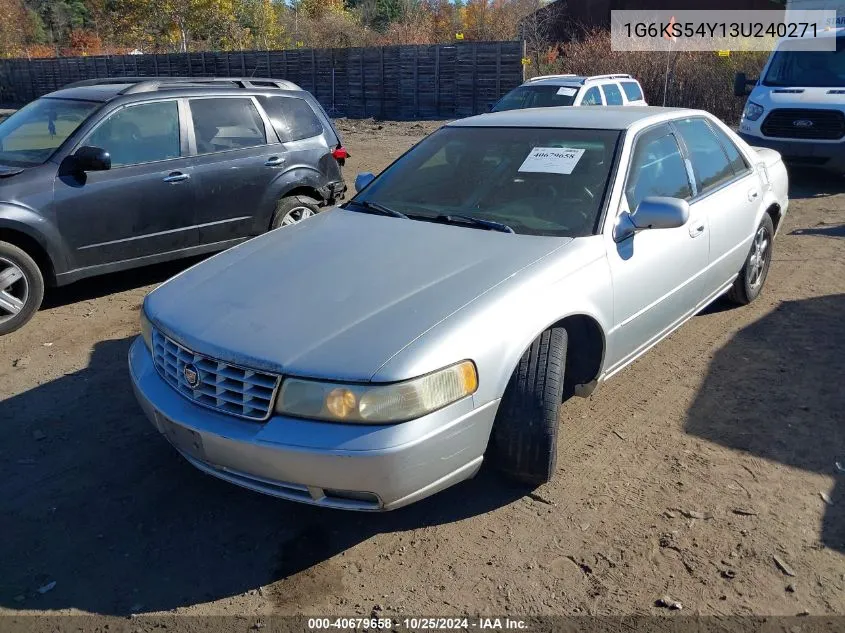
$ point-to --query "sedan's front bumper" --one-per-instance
(357, 467)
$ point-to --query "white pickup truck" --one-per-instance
(797, 106)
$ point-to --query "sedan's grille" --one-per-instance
(214, 384)
(805, 123)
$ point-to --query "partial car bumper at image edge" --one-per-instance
(392, 471)
(826, 155)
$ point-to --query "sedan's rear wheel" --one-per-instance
(749, 283)
(21, 288)
(524, 442)
(293, 210)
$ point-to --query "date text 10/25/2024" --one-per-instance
(417, 624)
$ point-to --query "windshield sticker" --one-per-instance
(567, 92)
(552, 160)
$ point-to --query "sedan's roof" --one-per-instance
(598, 118)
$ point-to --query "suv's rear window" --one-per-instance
(612, 94)
(632, 90)
(292, 118)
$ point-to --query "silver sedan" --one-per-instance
(379, 352)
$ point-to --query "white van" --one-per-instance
(797, 106)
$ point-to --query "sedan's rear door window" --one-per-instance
(709, 161)
(222, 124)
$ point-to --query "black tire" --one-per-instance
(524, 438)
(749, 284)
(291, 205)
(29, 288)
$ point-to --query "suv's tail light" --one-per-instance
(340, 154)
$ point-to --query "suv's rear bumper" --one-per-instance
(820, 154)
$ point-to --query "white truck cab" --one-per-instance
(797, 106)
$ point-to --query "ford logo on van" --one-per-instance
(802, 123)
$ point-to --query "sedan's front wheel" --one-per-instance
(749, 283)
(524, 442)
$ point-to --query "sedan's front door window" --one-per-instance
(657, 169)
(137, 134)
(223, 124)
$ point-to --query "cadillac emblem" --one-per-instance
(192, 376)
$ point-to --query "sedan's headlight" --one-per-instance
(752, 111)
(146, 330)
(377, 404)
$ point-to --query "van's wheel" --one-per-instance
(524, 438)
(294, 209)
(748, 285)
(21, 288)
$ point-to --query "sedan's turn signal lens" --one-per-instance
(377, 404)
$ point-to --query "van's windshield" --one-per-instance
(812, 69)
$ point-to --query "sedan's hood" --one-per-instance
(337, 295)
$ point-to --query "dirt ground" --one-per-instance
(706, 471)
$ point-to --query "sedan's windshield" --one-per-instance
(823, 69)
(536, 97)
(31, 135)
(537, 181)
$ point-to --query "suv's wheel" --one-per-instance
(294, 209)
(524, 438)
(749, 283)
(21, 288)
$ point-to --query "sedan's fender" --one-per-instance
(496, 328)
(16, 217)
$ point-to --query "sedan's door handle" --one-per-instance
(274, 161)
(176, 176)
(752, 194)
(696, 228)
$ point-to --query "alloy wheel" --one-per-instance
(14, 289)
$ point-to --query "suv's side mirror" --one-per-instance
(654, 212)
(741, 83)
(89, 158)
(362, 180)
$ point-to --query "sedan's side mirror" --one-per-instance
(741, 83)
(653, 212)
(362, 180)
(89, 158)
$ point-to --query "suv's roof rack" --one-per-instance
(148, 84)
(569, 76)
(614, 76)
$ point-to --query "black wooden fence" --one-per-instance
(389, 82)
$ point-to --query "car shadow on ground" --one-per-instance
(808, 183)
(93, 499)
(825, 230)
(100, 286)
(797, 351)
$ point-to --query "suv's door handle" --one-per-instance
(696, 228)
(176, 176)
(274, 161)
(752, 194)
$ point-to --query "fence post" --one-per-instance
(474, 76)
(155, 64)
(269, 68)
(314, 73)
(363, 84)
(416, 82)
(437, 79)
(498, 70)
(243, 65)
(381, 80)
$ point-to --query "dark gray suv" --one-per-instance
(105, 175)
